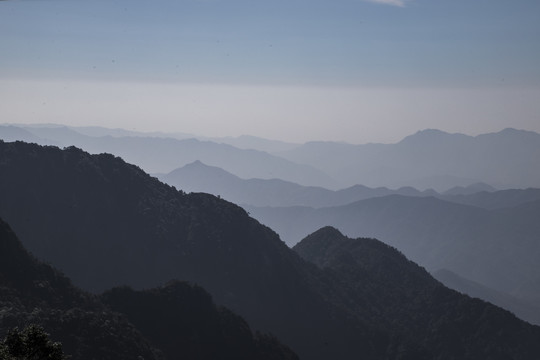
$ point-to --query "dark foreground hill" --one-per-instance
(107, 223)
(33, 292)
(182, 320)
(382, 282)
(179, 320)
(526, 310)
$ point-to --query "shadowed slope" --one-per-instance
(107, 223)
(182, 320)
(381, 281)
(32, 292)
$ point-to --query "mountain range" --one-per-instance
(429, 159)
(279, 203)
(106, 223)
(198, 177)
(158, 154)
(187, 319)
(408, 296)
(497, 248)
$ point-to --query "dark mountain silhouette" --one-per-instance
(382, 282)
(180, 319)
(520, 307)
(162, 155)
(198, 177)
(431, 159)
(105, 223)
(497, 248)
(33, 292)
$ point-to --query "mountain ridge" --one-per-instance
(429, 157)
(357, 263)
(471, 241)
(119, 225)
(199, 177)
(161, 154)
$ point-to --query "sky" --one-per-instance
(295, 70)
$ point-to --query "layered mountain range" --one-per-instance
(497, 248)
(106, 223)
(427, 159)
(430, 159)
(158, 154)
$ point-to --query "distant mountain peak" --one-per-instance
(470, 189)
(510, 130)
(197, 163)
(512, 133)
(429, 135)
(200, 173)
(431, 132)
(328, 232)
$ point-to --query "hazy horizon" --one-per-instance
(85, 129)
(353, 71)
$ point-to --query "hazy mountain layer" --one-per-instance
(198, 177)
(430, 159)
(427, 159)
(496, 199)
(162, 155)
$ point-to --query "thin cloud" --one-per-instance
(400, 3)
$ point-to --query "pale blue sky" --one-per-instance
(295, 70)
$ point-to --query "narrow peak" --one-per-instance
(325, 235)
(199, 165)
(328, 231)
